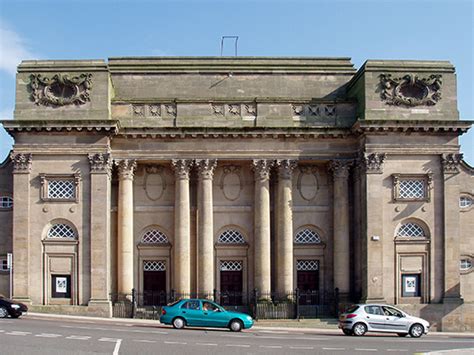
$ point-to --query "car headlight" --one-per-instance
(249, 318)
(15, 306)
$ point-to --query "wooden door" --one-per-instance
(154, 288)
(231, 287)
(308, 285)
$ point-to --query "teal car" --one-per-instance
(203, 313)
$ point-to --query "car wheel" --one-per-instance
(416, 330)
(359, 329)
(402, 334)
(236, 325)
(347, 331)
(179, 323)
(3, 312)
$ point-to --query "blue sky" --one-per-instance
(371, 29)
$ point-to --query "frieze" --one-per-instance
(21, 162)
(451, 162)
(60, 89)
(410, 90)
(234, 110)
(100, 163)
(313, 110)
(154, 110)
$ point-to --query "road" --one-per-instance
(36, 335)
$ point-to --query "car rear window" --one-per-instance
(173, 303)
(352, 309)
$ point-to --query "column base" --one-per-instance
(22, 299)
(103, 308)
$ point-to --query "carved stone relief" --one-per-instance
(231, 182)
(154, 182)
(307, 183)
(451, 163)
(410, 90)
(314, 110)
(156, 110)
(60, 89)
(245, 111)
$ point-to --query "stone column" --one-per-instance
(371, 166)
(452, 287)
(21, 226)
(125, 226)
(262, 250)
(284, 224)
(341, 243)
(205, 277)
(100, 194)
(182, 228)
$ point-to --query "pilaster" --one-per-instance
(21, 226)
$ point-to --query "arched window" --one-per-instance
(61, 231)
(6, 202)
(307, 236)
(154, 236)
(231, 236)
(411, 230)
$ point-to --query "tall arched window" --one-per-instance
(154, 236)
(411, 230)
(307, 236)
(61, 231)
(231, 236)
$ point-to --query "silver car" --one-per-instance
(362, 318)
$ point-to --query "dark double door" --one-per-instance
(308, 285)
(154, 288)
(231, 287)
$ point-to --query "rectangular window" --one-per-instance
(411, 285)
(411, 187)
(59, 187)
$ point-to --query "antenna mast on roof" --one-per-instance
(235, 38)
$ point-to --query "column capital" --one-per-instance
(371, 163)
(21, 163)
(100, 163)
(181, 167)
(451, 162)
(126, 168)
(285, 167)
(261, 168)
(205, 168)
(340, 168)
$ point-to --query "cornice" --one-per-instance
(410, 126)
(98, 126)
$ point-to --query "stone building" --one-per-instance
(196, 174)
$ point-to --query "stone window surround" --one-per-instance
(424, 278)
(470, 269)
(410, 239)
(467, 208)
(427, 178)
(5, 200)
(46, 178)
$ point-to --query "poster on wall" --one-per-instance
(411, 285)
(61, 284)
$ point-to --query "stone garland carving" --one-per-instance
(410, 90)
(451, 162)
(218, 110)
(100, 163)
(285, 167)
(181, 167)
(21, 162)
(155, 110)
(205, 168)
(340, 168)
(251, 109)
(60, 89)
(126, 168)
(234, 110)
(372, 163)
(261, 168)
(319, 110)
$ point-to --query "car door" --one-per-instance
(191, 312)
(375, 317)
(395, 321)
(213, 315)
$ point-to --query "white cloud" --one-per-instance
(12, 50)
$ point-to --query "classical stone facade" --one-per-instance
(203, 175)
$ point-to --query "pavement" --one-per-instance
(325, 326)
